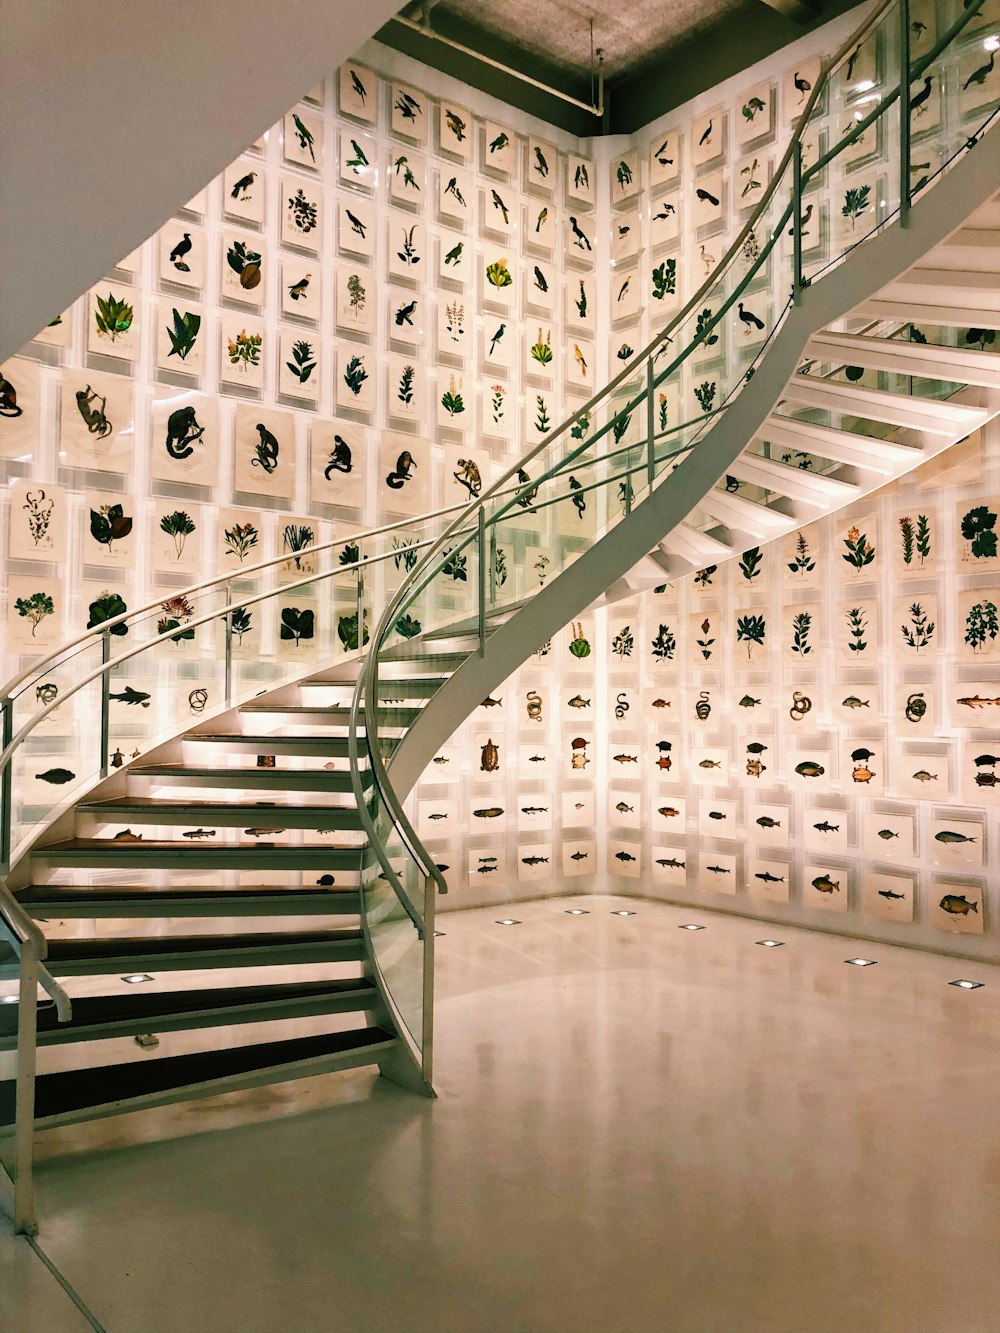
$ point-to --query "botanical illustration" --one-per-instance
(751, 629)
(982, 625)
(183, 332)
(178, 525)
(245, 263)
(919, 631)
(860, 552)
(978, 527)
(34, 609)
(664, 645)
(113, 316)
(915, 540)
(108, 524)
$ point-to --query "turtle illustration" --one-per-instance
(490, 761)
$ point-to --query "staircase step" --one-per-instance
(335, 747)
(44, 901)
(884, 457)
(941, 286)
(96, 1017)
(812, 488)
(409, 687)
(926, 314)
(898, 409)
(247, 779)
(82, 1094)
(696, 547)
(971, 249)
(745, 516)
(105, 853)
(220, 814)
(926, 360)
(183, 953)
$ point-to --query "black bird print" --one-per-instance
(659, 154)
(456, 124)
(707, 133)
(452, 188)
(978, 76)
(853, 60)
(357, 226)
(541, 166)
(182, 248)
(498, 144)
(918, 100)
(408, 107)
(541, 219)
(803, 85)
(918, 29)
(239, 190)
(581, 237)
(497, 336)
(298, 289)
(624, 288)
(804, 222)
(664, 213)
(540, 282)
(499, 203)
(404, 315)
(750, 320)
(358, 86)
(707, 198)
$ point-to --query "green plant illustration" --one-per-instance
(497, 396)
(752, 107)
(245, 348)
(303, 363)
(34, 609)
(856, 202)
(357, 293)
(624, 174)
(579, 646)
(498, 275)
(456, 567)
(860, 551)
(451, 399)
(304, 212)
(581, 301)
(408, 627)
(803, 563)
(297, 624)
(296, 538)
(542, 422)
(176, 610)
(500, 571)
(751, 630)
(106, 607)
(703, 329)
(347, 630)
(405, 391)
(663, 411)
(625, 351)
(405, 557)
(245, 263)
(703, 578)
(751, 562)
(705, 643)
(665, 279)
(408, 254)
(178, 525)
(183, 333)
(580, 427)
(113, 317)
(109, 524)
(350, 555)
(541, 349)
(355, 374)
(620, 425)
(979, 530)
(240, 622)
(359, 160)
(981, 338)
(664, 645)
(920, 631)
(915, 539)
(857, 624)
(240, 540)
(623, 643)
(705, 393)
(801, 629)
(981, 623)
(454, 255)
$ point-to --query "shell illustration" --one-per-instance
(490, 760)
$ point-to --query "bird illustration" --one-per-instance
(581, 360)
(358, 86)
(918, 102)
(305, 136)
(918, 29)
(852, 61)
(581, 237)
(298, 289)
(182, 248)
(623, 289)
(978, 76)
(452, 188)
(541, 166)
(750, 320)
(498, 144)
(803, 85)
(456, 124)
(707, 198)
(804, 222)
(408, 107)
(496, 337)
(357, 226)
(404, 315)
(541, 219)
(664, 213)
(708, 259)
(707, 134)
(540, 282)
(499, 203)
(659, 154)
(239, 190)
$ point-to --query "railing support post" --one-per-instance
(6, 786)
(228, 622)
(482, 581)
(427, 1035)
(650, 427)
(904, 113)
(24, 1143)
(105, 703)
(797, 283)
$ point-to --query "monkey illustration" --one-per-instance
(183, 429)
(8, 399)
(468, 475)
(340, 457)
(266, 449)
(402, 474)
(95, 417)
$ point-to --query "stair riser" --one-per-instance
(328, 747)
(340, 818)
(195, 858)
(264, 779)
(292, 955)
(341, 903)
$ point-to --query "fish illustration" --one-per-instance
(534, 860)
(441, 759)
(719, 870)
(749, 702)
(852, 701)
(199, 833)
(489, 702)
(809, 769)
(716, 814)
(536, 759)
(624, 809)
(57, 776)
(132, 696)
(579, 856)
(922, 775)
(126, 835)
(668, 812)
(578, 702)
(825, 884)
(262, 832)
(624, 856)
(437, 815)
(710, 763)
(886, 833)
(888, 893)
(949, 835)
(768, 878)
(534, 809)
(491, 812)
(827, 827)
(765, 821)
(671, 863)
(977, 701)
(661, 703)
(957, 904)
(626, 759)
(485, 870)
(488, 860)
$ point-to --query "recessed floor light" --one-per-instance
(860, 962)
(12, 999)
(438, 934)
(771, 944)
(690, 926)
(962, 984)
(508, 921)
(136, 978)
(577, 911)
(621, 912)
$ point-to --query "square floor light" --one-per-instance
(12, 999)
(771, 944)
(962, 984)
(136, 978)
(860, 962)
(690, 926)
(622, 912)
(577, 911)
(508, 921)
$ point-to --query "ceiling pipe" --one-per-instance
(425, 30)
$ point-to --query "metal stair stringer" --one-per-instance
(865, 271)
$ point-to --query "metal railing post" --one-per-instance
(493, 566)
(482, 581)
(6, 787)
(24, 1142)
(427, 1041)
(797, 283)
(650, 427)
(904, 113)
(228, 622)
(105, 702)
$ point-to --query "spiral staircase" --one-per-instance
(271, 837)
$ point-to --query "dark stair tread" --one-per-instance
(172, 844)
(321, 779)
(251, 807)
(79, 1089)
(56, 893)
(124, 948)
(90, 1010)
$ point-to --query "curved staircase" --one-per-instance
(313, 767)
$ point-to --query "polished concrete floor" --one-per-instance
(640, 1129)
